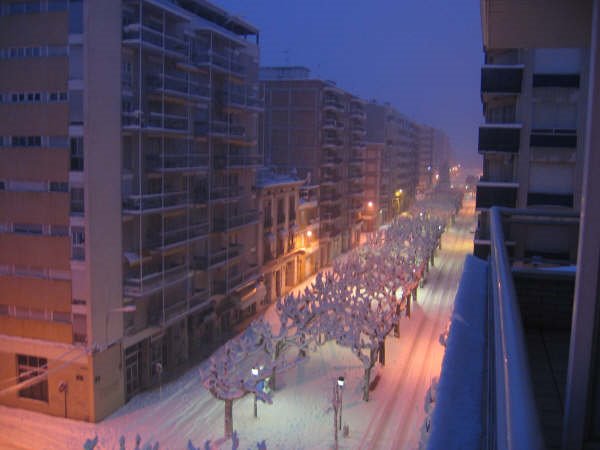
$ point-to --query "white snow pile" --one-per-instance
(456, 421)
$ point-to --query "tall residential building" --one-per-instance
(316, 128)
(129, 219)
(391, 164)
(426, 149)
(540, 365)
(534, 94)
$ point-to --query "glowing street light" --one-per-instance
(370, 204)
(254, 371)
(309, 233)
(340, 383)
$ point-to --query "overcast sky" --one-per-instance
(423, 56)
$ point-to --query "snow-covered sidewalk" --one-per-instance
(301, 416)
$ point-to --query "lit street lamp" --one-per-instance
(340, 383)
(255, 374)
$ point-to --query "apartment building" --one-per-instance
(391, 164)
(426, 150)
(314, 127)
(283, 252)
(540, 147)
(534, 99)
(129, 217)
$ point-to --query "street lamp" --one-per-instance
(340, 383)
(370, 204)
(255, 374)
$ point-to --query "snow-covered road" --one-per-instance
(301, 415)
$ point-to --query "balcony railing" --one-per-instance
(225, 192)
(176, 162)
(153, 280)
(516, 419)
(177, 236)
(220, 60)
(135, 32)
(499, 139)
(235, 280)
(148, 202)
(223, 224)
(496, 194)
(217, 257)
(499, 79)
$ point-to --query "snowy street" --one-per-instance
(301, 415)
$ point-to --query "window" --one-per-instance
(59, 186)
(77, 243)
(61, 317)
(27, 228)
(80, 328)
(76, 107)
(77, 154)
(75, 17)
(59, 230)
(77, 201)
(58, 141)
(29, 367)
(57, 5)
(3, 310)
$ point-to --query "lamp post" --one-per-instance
(255, 374)
(340, 384)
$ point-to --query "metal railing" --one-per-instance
(517, 425)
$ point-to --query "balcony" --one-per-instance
(135, 34)
(499, 79)
(176, 162)
(496, 194)
(556, 80)
(330, 198)
(333, 104)
(358, 113)
(239, 279)
(233, 222)
(151, 203)
(499, 138)
(155, 122)
(548, 199)
(237, 160)
(225, 193)
(220, 60)
(553, 138)
(331, 161)
(171, 238)
(139, 286)
(240, 100)
(217, 257)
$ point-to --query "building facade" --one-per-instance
(534, 98)
(129, 214)
(316, 128)
(391, 166)
(288, 232)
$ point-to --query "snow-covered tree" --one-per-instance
(229, 376)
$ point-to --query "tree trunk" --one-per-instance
(228, 418)
(367, 385)
(382, 352)
(273, 380)
(414, 295)
(408, 306)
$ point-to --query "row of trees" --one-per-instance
(357, 304)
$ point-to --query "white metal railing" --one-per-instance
(517, 425)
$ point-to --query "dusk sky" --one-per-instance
(423, 56)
